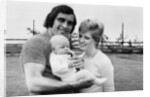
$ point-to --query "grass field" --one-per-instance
(128, 74)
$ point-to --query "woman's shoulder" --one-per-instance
(101, 58)
(101, 55)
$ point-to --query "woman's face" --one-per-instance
(86, 41)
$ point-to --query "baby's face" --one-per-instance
(62, 48)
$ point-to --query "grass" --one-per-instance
(128, 74)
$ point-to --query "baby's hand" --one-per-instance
(70, 52)
(75, 62)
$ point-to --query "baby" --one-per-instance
(59, 61)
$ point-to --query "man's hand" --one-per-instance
(75, 44)
(75, 40)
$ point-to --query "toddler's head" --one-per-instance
(59, 44)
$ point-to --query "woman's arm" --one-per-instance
(107, 71)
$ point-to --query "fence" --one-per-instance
(15, 46)
(119, 47)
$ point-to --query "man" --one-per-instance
(35, 55)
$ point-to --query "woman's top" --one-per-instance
(100, 65)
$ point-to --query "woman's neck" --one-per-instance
(90, 53)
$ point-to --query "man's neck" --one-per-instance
(50, 31)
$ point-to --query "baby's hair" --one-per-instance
(57, 39)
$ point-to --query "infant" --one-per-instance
(59, 61)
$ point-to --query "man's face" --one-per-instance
(63, 24)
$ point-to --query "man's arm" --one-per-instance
(37, 83)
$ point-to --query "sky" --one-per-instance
(20, 16)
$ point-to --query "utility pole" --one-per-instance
(34, 27)
(122, 35)
(33, 31)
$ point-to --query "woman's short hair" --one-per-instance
(95, 27)
(55, 11)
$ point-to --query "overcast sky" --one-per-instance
(20, 15)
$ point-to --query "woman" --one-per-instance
(90, 33)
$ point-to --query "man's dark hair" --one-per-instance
(55, 11)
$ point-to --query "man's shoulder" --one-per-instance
(38, 37)
(35, 49)
(37, 40)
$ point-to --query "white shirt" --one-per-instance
(99, 66)
(59, 66)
